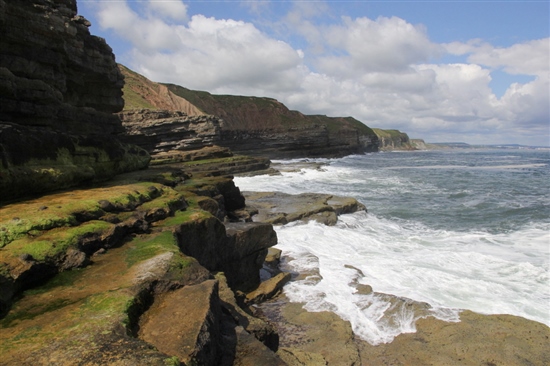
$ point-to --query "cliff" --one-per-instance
(393, 140)
(251, 125)
(59, 88)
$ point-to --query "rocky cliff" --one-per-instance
(393, 140)
(162, 130)
(59, 88)
(251, 125)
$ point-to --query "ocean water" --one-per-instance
(457, 229)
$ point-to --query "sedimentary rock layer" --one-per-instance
(59, 87)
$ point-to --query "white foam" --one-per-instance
(444, 269)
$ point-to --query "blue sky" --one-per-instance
(472, 71)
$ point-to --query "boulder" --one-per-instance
(237, 249)
(185, 323)
(268, 289)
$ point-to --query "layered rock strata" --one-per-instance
(161, 131)
(110, 267)
(59, 86)
(249, 125)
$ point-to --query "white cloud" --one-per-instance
(379, 71)
(384, 44)
(529, 58)
(173, 9)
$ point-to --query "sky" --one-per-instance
(444, 71)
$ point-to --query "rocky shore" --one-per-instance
(165, 266)
(124, 240)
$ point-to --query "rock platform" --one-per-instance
(117, 273)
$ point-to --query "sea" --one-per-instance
(456, 229)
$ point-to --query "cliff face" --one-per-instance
(142, 93)
(255, 126)
(59, 86)
(393, 140)
(160, 131)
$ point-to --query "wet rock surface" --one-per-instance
(476, 340)
(282, 208)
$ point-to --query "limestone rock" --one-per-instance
(185, 323)
(281, 208)
(161, 131)
(239, 252)
(59, 86)
(54, 73)
(268, 289)
(251, 352)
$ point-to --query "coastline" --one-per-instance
(158, 211)
(475, 339)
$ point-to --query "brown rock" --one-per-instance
(268, 288)
(251, 352)
(475, 340)
(321, 333)
(185, 323)
(259, 328)
(281, 208)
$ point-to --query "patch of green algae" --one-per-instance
(56, 241)
(62, 209)
(75, 308)
(169, 200)
(144, 247)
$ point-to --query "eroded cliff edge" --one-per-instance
(59, 88)
(247, 125)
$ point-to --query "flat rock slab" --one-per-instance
(282, 208)
(314, 336)
(476, 340)
(185, 323)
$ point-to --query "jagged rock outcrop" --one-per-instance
(237, 249)
(59, 86)
(161, 130)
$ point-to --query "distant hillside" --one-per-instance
(142, 93)
(255, 124)
(256, 113)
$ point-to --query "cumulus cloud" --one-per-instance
(529, 58)
(380, 71)
(173, 9)
(384, 44)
